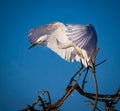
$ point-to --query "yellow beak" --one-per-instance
(36, 43)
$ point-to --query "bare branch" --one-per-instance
(108, 99)
(96, 88)
(48, 94)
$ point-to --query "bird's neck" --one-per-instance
(65, 45)
(70, 44)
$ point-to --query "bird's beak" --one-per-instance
(36, 43)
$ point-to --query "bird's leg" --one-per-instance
(84, 80)
(77, 73)
(93, 66)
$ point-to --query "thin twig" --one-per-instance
(100, 63)
(48, 94)
(92, 104)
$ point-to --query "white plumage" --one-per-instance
(71, 42)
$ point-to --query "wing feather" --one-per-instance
(56, 32)
(84, 36)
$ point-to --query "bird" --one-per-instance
(70, 41)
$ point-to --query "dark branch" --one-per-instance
(108, 99)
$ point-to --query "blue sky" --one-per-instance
(23, 72)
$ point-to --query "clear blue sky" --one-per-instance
(23, 72)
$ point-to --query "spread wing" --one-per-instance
(83, 36)
(56, 33)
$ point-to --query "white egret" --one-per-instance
(71, 41)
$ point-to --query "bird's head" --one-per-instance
(41, 40)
